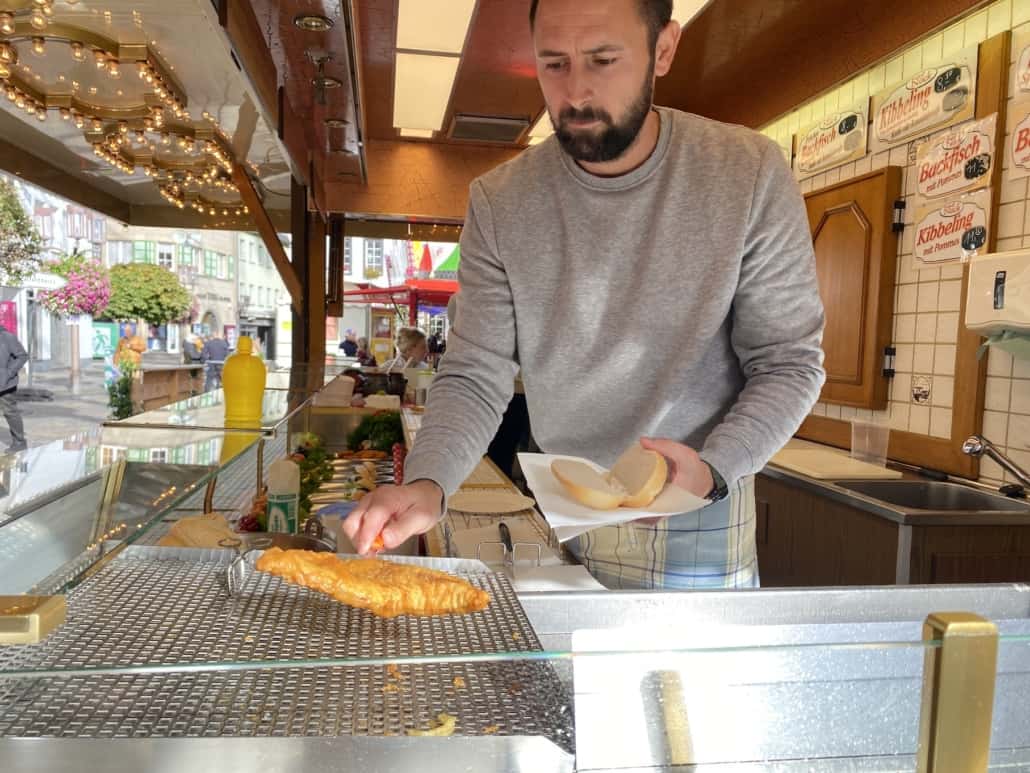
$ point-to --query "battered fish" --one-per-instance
(384, 588)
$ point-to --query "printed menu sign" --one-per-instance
(1019, 143)
(1021, 73)
(833, 140)
(938, 96)
(954, 230)
(956, 161)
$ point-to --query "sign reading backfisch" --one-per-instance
(836, 139)
(939, 96)
(956, 161)
(954, 230)
(1019, 142)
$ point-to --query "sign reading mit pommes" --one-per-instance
(956, 161)
(954, 230)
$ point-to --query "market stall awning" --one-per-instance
(414, 293)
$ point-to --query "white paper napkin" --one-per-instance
(569, 518)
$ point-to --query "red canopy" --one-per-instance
(425, 266)
(413, 293)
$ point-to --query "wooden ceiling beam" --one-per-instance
(33, 169)
(267, 229)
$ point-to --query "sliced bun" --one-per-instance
(588, 486)
(642, 473)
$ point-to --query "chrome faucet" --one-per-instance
(978, 445)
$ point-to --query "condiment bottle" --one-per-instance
(283, 497)
(243, 387)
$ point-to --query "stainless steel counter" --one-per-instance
(905, 516)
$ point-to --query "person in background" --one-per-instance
(194, 349)
(216, 350)
(12, 359)
(365, 358)
(411, 350)
(723, 253)
(349, 344)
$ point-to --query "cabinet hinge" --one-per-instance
(888, 361)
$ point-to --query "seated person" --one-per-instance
(349, 344)
(411, 350)
(365, 358)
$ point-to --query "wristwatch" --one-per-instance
(719, 488)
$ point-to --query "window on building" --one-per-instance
(210, 263)
(347, 267)
(119, 252)
(373, 257)
(159, 455)
(44, 221)
(144, 252)
(230, 263)
(98, 232)
(165, 255)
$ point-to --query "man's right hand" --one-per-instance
(396, 512)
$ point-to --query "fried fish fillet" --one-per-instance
(384, 588)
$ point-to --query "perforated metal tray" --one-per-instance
(151, 607)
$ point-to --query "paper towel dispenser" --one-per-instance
(998, 297)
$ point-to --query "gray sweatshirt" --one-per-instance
(678, 301)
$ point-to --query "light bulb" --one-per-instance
(39, 46)
(66, 114)
(113, 69)
(11, 93)
(100, 58)
(78, 51)
(6, 22)
(40, 114)
(7, 53)
(38, 20)
(5, 71)
(48, 10)
(97, 125)
(79, 121)
(41, 3)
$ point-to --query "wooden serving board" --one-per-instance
(829, 465)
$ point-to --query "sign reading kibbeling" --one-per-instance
(941, 95)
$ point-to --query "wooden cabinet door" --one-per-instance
(856, 254)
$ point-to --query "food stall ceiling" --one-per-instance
(186, 41)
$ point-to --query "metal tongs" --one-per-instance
(510, 548)
(233, 576)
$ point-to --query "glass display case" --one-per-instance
(179, 656)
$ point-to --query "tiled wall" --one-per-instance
(926, 302)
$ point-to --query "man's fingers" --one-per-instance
(352, 522)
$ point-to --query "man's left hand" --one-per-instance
(686, 469)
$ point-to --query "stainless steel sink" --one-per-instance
(933, 496)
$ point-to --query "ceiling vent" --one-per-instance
(483, 128)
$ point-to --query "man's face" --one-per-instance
(596, 70)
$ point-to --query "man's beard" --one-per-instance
(614, 138)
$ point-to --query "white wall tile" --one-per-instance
(860, 86)
(926, 328)
(928, 273)
(976, 28)
(919, 419)
(990, 470)
(847, 171)
(932, 49)
(951, 296)
(908, 239)
(1013, 190)
(1020, 13)
(998, 393)
(805, 115)
(947, 328)
(1012, 243)
(905, 328)
(833, 411)
(942, 393)
(999, 362)
(878, 77)
(818, 409)
(944, 359)
(845, 95)
(879, 417)
(907, 297)
(880, 160)
(922, 361)
(995, 426)
(999, 17)
(806, 185)
(819, 181)
(904, 358)
(894, 71)
(863, 165)
(901, 386)
(927, 298)
(1020, 367)
(847, 412)
(899, 416)
(1010, 219)
(832, 176)
(912, 61)
(952, 271)
(940, 422)
(1020, 396)
(1019, 433)
(1021, 457)
(898, 156)
(953, 38)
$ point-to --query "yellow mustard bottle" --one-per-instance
(243, 387)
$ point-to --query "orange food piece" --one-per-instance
(384, 588)
(377, 544)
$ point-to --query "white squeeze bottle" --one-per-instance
(283, 496)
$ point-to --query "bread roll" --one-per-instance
(636, 480)
(588, 486)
